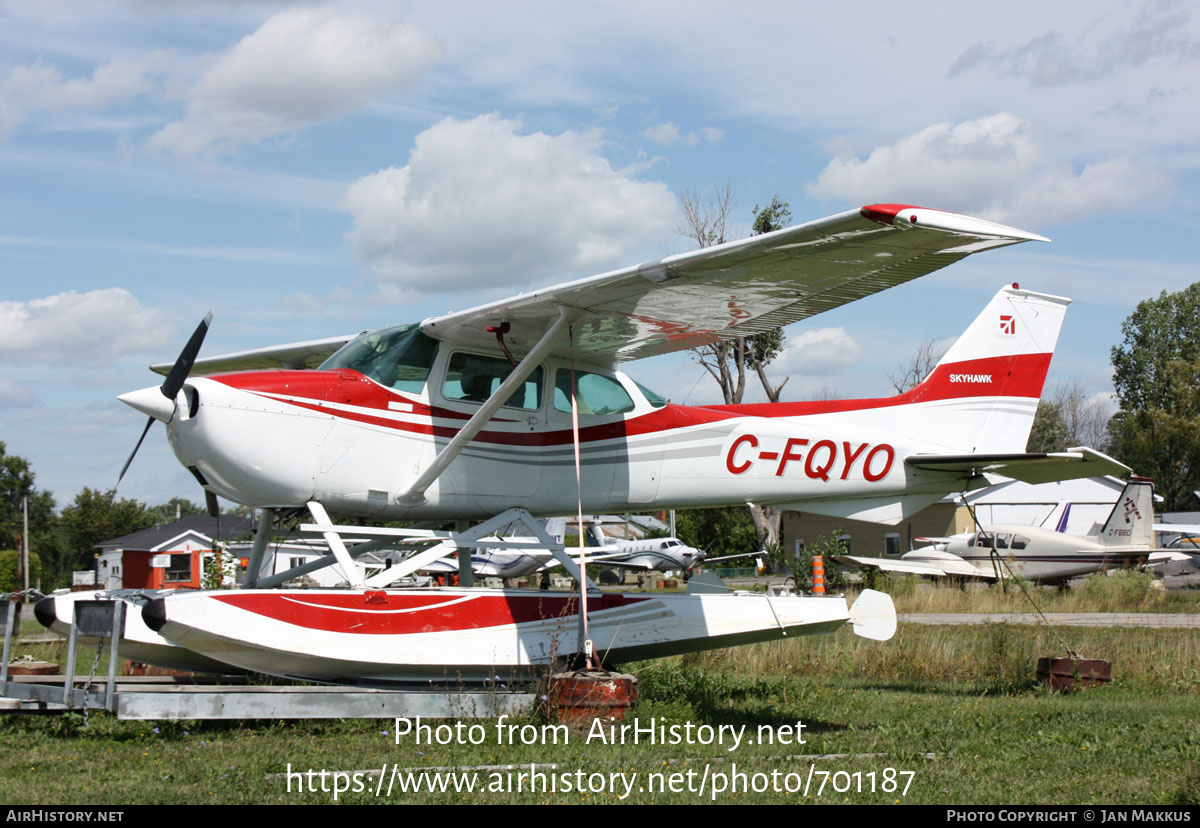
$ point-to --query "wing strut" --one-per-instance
(415, 494)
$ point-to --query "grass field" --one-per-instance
(1122, 591)
(955, 706)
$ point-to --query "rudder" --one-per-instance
(983, 394)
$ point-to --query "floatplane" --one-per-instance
(515, 409)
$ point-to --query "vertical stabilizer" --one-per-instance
(983, 395)
(1132, 519)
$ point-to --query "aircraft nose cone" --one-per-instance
(44, 612)
(155, 614)
(151, 402)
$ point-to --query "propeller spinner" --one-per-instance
(159, 403)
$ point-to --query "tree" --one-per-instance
(1164, 443)
(722, 530)
(1086, 418)
(728, 360)
(17, 487)
(97, 516)
(1156, 373)
(1049, 431)
(177, 505)
(909, 375)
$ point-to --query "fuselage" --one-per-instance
(360, 434)
(1031, 552)
(282, 438)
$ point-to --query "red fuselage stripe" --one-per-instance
(1022, 375)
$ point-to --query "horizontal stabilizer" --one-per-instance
(1028, 468)
(873, 615)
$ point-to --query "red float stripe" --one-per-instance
(405, 613)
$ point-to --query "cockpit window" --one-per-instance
(398, 357)
(654, 399)
(598, 394)
(473, 378)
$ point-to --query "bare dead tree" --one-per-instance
(1086, 417)
(910, 374)
(705, 220)
(705, 215)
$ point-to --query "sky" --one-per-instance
(306, 170)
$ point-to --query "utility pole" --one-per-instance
(25, 541)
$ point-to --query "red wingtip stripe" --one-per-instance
(886, 213)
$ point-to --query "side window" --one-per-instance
(598, 394)
(1020, 542)
(473, 378)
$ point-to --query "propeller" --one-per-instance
(164, 409)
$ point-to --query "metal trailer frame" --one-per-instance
(175, 698)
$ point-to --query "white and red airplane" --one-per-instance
(468, 415)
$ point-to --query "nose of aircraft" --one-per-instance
(44, 612)
(155, 614)
(151, 402)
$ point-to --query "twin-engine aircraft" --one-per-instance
(1046, 556)
(515, 408)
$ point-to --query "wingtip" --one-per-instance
(913, 216)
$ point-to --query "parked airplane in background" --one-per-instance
(1041, 555)
(658, 555)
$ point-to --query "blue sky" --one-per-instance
(312, 169)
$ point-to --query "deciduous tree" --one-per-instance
(97, 516)
(727, 361)
(1156, 373)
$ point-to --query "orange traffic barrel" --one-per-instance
(818, 586)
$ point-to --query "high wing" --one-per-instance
(734, 289)
(292, 355)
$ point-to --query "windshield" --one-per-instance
(397, 357)
(654, 399)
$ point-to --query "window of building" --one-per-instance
(180, 568)
(891, 544)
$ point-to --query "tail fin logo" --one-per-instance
(1131, 509)
(1008, 325)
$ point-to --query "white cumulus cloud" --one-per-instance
(996, 167)
(819, 352)
(72, 328)
(480, 204)
(302, 66)
(34, 88)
